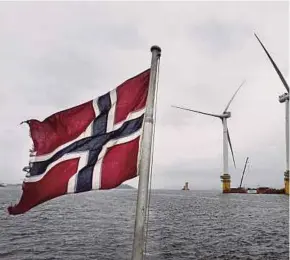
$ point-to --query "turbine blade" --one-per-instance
(234, 96)
(274, 65)
(195, 111)
(230, 143)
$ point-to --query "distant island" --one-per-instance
(8, 185)
(125, 187)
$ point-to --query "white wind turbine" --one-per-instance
(282, 99)
(226, 137)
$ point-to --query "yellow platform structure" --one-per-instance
(286, 182)
(226, 181)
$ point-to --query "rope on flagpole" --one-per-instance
(151, 165)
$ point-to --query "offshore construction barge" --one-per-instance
(240, 189)
(260, 190)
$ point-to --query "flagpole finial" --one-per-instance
(156, 48)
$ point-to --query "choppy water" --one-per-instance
(183, 225)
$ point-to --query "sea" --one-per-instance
(99, 225)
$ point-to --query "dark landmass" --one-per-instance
(125, 187)
(7, 185)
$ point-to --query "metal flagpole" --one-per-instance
(145, 160)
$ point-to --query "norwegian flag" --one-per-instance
(88, 147)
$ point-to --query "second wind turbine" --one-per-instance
(226, 178)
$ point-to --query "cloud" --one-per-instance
(216, 37)
(57, 55)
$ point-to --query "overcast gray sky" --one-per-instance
(57, 55)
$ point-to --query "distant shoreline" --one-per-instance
(125, 187)
(6, 185)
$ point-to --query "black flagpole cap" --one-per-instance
(155, 48)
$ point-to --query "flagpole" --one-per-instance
(145, 160)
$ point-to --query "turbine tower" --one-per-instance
(282, 99)
(225, 177)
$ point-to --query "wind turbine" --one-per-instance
(226, 178)
(282, 99)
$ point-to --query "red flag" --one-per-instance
(91, 146)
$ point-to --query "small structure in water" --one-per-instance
(185, 187)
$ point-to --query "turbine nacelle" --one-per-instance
(226, 115)
(283, 98)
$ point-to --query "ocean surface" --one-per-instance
(183, 225)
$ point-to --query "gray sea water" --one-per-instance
(182, 225)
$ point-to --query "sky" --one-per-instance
(57, 55)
